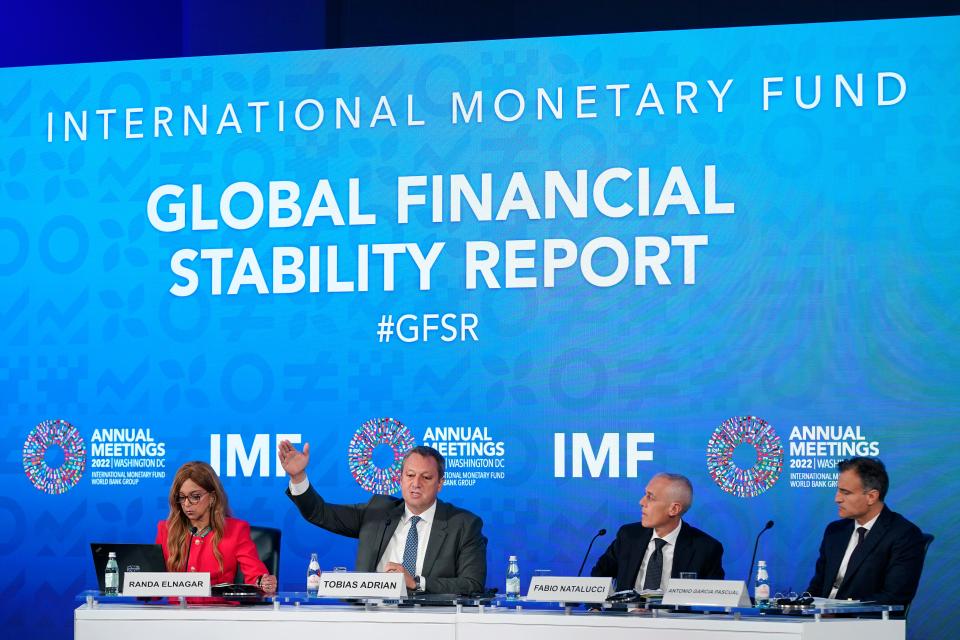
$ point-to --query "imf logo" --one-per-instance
(376, 454)
(54, 456)
(755, 439)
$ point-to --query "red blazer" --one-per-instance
(236, 547)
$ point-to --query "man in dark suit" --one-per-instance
(646, 554)
(872, 553)
(438, 547)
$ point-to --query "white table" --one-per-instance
(354, 623)
(258, 623)
(534, 625)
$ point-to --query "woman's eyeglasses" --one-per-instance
(193, 498)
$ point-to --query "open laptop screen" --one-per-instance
(130, 557)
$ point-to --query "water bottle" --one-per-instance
(313, 575)
(513, 578)
(111, 575)
(761, 586)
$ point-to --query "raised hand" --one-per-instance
(294, 462)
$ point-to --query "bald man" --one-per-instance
(646, 554)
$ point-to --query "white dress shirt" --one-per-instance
(849, 552)
(668, 549)
(299, 488)
(394, 550)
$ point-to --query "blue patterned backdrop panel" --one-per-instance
(567, 263)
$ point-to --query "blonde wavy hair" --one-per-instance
(178, 526)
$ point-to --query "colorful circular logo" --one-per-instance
(745, 430)
(370, 435)
(48, 435)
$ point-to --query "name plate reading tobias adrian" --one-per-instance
(161, 584)
(362, 585)
(558, 589)
(717, 593)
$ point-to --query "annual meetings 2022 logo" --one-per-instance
(54, 456)
(752, 432)
(376, 450)
(375, 454)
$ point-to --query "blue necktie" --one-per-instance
(410, 549)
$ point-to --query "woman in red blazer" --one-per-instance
(200, 535)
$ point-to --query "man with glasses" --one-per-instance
(871, 553)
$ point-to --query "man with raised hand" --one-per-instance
(438, 547)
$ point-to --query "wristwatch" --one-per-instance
(419, 581)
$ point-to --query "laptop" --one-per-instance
(130, 557)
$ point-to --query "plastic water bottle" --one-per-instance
(313, 575)
(111, 575)
(761, 586)
(513, 578)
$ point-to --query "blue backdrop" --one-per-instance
(806, 276)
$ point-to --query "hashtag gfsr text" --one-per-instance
(429, 327)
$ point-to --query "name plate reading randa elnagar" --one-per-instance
(559, 589)
(362, 585)
(718, 593)
(157, 584)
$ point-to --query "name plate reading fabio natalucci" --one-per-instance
(559, 589)
(362, 585)
(718, 593)
(153, 584)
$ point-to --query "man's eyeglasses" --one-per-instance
(193, 498)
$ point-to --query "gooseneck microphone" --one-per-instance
(756, 544)
(602, 532)
(186, 564)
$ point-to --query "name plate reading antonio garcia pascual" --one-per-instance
(717, 593)
(362, 585)
(559, 589)
(167, 585)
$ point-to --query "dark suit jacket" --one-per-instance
(456, 557)
(695, 551)
(887, 569)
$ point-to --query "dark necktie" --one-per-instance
(410, 549)
(861, 534)
(655, 567)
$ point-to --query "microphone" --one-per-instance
(602, 532)
(186, 564)
(756, 544)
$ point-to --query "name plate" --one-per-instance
(362, 585)
(718, 593)
(559, 589)
(163, 584)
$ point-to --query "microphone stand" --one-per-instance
(186, 564)
(756, 544)
(602, 532)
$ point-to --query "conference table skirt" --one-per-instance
(331, 622)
